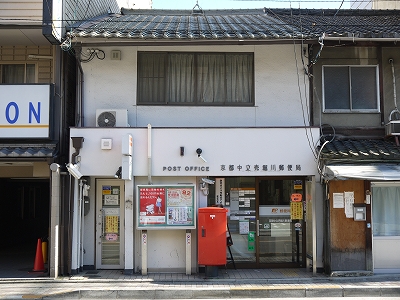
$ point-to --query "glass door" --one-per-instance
(280, 223)
(109, 224)
(265, 220)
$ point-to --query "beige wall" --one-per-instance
(30, 10)
(45, 67)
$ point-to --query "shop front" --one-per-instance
(147, 199)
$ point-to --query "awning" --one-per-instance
(364, 172)
(28, 151)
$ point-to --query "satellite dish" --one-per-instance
(106, 119)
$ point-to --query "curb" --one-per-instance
(225, 293)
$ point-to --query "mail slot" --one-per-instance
(360, 212)
(212, 236)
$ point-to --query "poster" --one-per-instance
(348, 204)
(296, 210)
(110, 195)
(338, 200)
(166, 206)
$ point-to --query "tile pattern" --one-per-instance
(242, 24)
(361, 150)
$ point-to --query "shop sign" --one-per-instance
(24, 111)
(239, 167)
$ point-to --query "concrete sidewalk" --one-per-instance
(260, 283)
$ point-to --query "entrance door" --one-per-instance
(280, 223)
(266, 221)
(110, 224)
(386, 226)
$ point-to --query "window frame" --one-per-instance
(165, 102)
(351, 109)
(2, 63)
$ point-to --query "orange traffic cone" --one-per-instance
(39, 265)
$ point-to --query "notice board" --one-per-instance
(161, 206)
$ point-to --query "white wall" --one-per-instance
(220, 146)
(112, 84)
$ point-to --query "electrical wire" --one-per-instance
(92, 54)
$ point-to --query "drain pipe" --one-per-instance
(149, 154)
(396, 110)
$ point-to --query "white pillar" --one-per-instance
(188, 242)
(144, 238)
(129, 228)
(54, 220)
(76, 229)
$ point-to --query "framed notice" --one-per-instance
(161, 206)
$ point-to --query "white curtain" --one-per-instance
(386, 211)
(181, 79)
(210, 78)
(239, 78)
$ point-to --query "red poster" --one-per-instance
(152, 205)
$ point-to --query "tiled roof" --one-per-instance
(244, 24)
(361, 150)
(24, 151)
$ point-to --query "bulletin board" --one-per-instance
(161, 206)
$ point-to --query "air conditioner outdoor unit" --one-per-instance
(112, 118)
(392, 128)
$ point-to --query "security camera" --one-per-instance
(118, 174)
(73, 170)
(209, 181)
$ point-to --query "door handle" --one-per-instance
(258, 228)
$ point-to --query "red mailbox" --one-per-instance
(212, 236)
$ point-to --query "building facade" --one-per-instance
(194, 116)
(355, 99)
(38, 95)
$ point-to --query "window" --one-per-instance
(17, 73)
(350, 89)
(195, 78)
(386, 210)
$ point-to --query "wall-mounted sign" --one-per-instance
(25, 111)
(298, 185)
(296, 197)
(296, 210)
(166, 207)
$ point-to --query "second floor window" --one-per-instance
(350, 89)
(17, 73)
(195, 78)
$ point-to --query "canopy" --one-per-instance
(365, 172)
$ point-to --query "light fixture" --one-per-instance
(199, 151)
(74, 171)
(118, 174)
(34, 56)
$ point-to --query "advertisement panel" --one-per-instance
(162, 206)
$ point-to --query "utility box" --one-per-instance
(360, 212)
(212, 236)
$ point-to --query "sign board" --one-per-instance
(25, 111)
(166, 207)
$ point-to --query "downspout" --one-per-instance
(81, 116)
(396, 110)
(149, 154)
